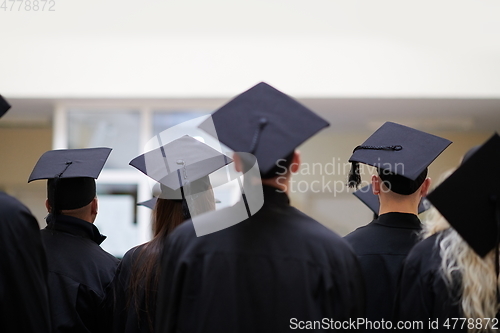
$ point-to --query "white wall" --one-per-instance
(124, 48)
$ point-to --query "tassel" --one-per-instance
(256, 137)
(354, 176)
(54, 192)
(185, 210)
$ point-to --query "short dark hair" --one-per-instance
(399, 184)
(70, 193)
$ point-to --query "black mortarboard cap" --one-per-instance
(397, 150)
(71, 175)
(70, 163)
(179, 162)
(4, 106)
(470, 198)
(148, 203)
(470, 152)
(152, 202)
(265, 122)
(366, 196)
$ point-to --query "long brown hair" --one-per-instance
(167, 214)
(145, 276)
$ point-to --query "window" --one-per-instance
(129, 130)
(117, 129)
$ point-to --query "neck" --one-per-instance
(84, 217)
(402, 204)
(281, 183)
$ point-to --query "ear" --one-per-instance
(426, 185)
(375, 185)
(237, 162)
(47, 205)
(94, 207)
(295, 166)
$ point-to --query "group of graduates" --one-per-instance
(274, 270)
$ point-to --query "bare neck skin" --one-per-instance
(391, 202)
(87, 213)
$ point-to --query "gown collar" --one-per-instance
(274, 196)
(75, 226)
(399, 220)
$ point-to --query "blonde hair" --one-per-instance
(463, 270)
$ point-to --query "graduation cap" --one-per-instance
(400, 153)
(264, 122)
(152, 202)
(4, 106)
(71, 175)
(470, 204)
(182, 162)
(148, 203)
(366, 196)
(470, 152)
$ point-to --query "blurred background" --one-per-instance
(115, 73)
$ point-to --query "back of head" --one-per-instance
(279, 168)
(70, 175)
(169, 213)
(402, 185)
(70, 193)
(266, 123)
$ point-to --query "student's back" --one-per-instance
(79, 269)
(269, 273)
(79, 272)
(24, 305)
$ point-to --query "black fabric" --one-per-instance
(79, 272)
(24, 302)
(121, 315)
(264, 122)
(151, 203)
(381, 247)
(70, 193)
(422, 293)
(179, 162)
(258, 274)
(70, 163)
(476, 183)
(418, 150)
(280, 167)
(4, 106)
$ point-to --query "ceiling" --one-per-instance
(344, 114)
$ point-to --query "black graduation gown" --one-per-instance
(24, 302)
(257, 275)
(123, 315)
(381, 247)
(422, 293)
(79, 272)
